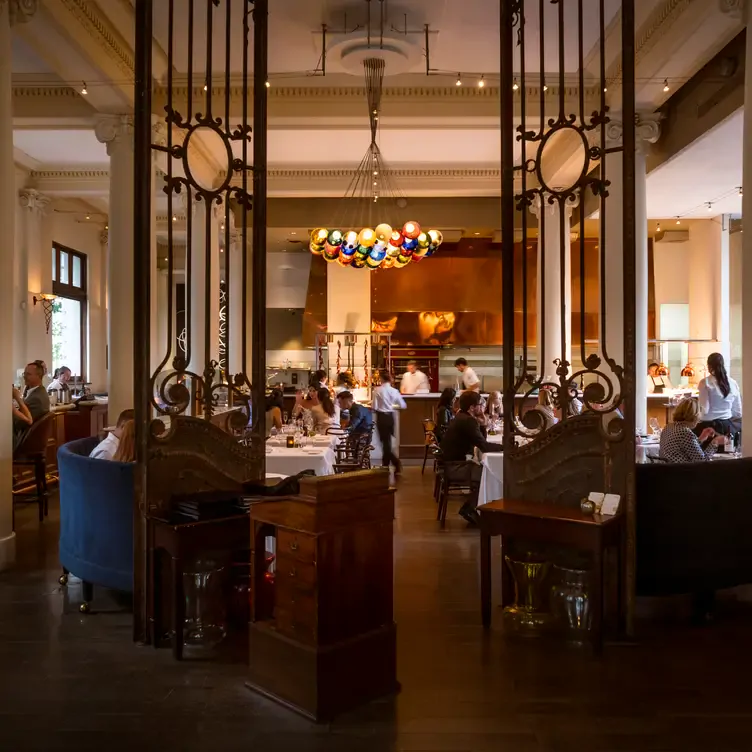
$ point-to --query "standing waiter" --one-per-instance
(384, 399)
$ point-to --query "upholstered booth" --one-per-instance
(694, 526)
(96, 518)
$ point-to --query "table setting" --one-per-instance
(292, 451)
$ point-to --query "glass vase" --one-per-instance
(570, 601)
(527, 615)
(205, 607)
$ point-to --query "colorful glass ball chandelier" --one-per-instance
(380, 248)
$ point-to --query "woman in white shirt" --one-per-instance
(720, 400)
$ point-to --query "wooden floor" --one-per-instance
(69, 682)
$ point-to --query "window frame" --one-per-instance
(71, 291)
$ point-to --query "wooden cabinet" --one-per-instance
(327, 643)
(86, 420)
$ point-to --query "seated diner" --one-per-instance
(34, 398)
(108, 447)
(361, 420)
(679, 443)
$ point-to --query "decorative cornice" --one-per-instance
(490, 173)
(541, 202)
(101, 32)
(69, 174)
(44, 92)
(20, 11)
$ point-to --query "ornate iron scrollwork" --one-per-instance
(563, 119)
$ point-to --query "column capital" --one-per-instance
(158, 131)
(114, 130)
(549, 204)
(20, 11)
(732, 8)
(647, 131)
(104, 238)
(30, 198)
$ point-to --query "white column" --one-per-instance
(11, 11)
(201, 297)
(648, 132)
(709, 307)
(348, 308)
(117, 132)
(235, 313)
(549, 316)
(36, 260)
(97, 306)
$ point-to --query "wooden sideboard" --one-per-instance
(328, 641)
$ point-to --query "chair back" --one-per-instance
(429, 432)
(37, 437)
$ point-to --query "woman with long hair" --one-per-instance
(444, 412)
(720, 400)
(324, 412)
(126, 451)
(275, 404)
(546, 409)
(493, 405)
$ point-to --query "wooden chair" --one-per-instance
(457, 480)
(32, 452)
(429, 438)
(354, 453)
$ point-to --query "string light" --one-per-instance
(545, 88)
(515, 85)
(88, 217)
(206, 87)
(268, 84)
(481, 83)
(665, 84)
(678, 221)
(458, 82)
(605, 89)
(84, 90)
(174, 218)
(710, 206)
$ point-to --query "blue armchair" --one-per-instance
(96, 519)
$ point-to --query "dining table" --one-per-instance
(491, 481)
(319, 455)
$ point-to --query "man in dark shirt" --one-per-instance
(361, 420)
(462, 437)
(464, 434)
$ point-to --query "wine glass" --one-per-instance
(655, 426)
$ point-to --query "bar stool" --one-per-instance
(32, 452)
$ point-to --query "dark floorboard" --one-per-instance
(73, 682)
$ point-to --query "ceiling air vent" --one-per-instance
(672, 236)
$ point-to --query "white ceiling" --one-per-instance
(709, 170)
(467, 38)
(26, 62)
(62, 148)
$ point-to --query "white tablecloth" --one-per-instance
(491, 488)
(643, 451)
(292, 461)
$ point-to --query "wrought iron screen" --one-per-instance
(569, 409)
(193, 132)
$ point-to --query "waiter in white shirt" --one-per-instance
(384, 400)
(470, 380)
(414, 381)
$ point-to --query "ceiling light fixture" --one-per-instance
(88, 216)
(545, 88)
(84, 90)
(515, 85)
(458, 82)
(605, 89)
(678, 221)
(370, 233)
(174, 218)
(206, 87)
(741, 192)
(710, 206)
(268, 84)
(658, 227)
(665, 84)
(481, 83)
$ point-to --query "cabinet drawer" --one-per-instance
(294, 625)
(290, 596)
(296, 545)
(297, 573)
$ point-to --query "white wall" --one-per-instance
(86, 237)
(735, 304)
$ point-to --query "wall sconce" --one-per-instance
(46, 298)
